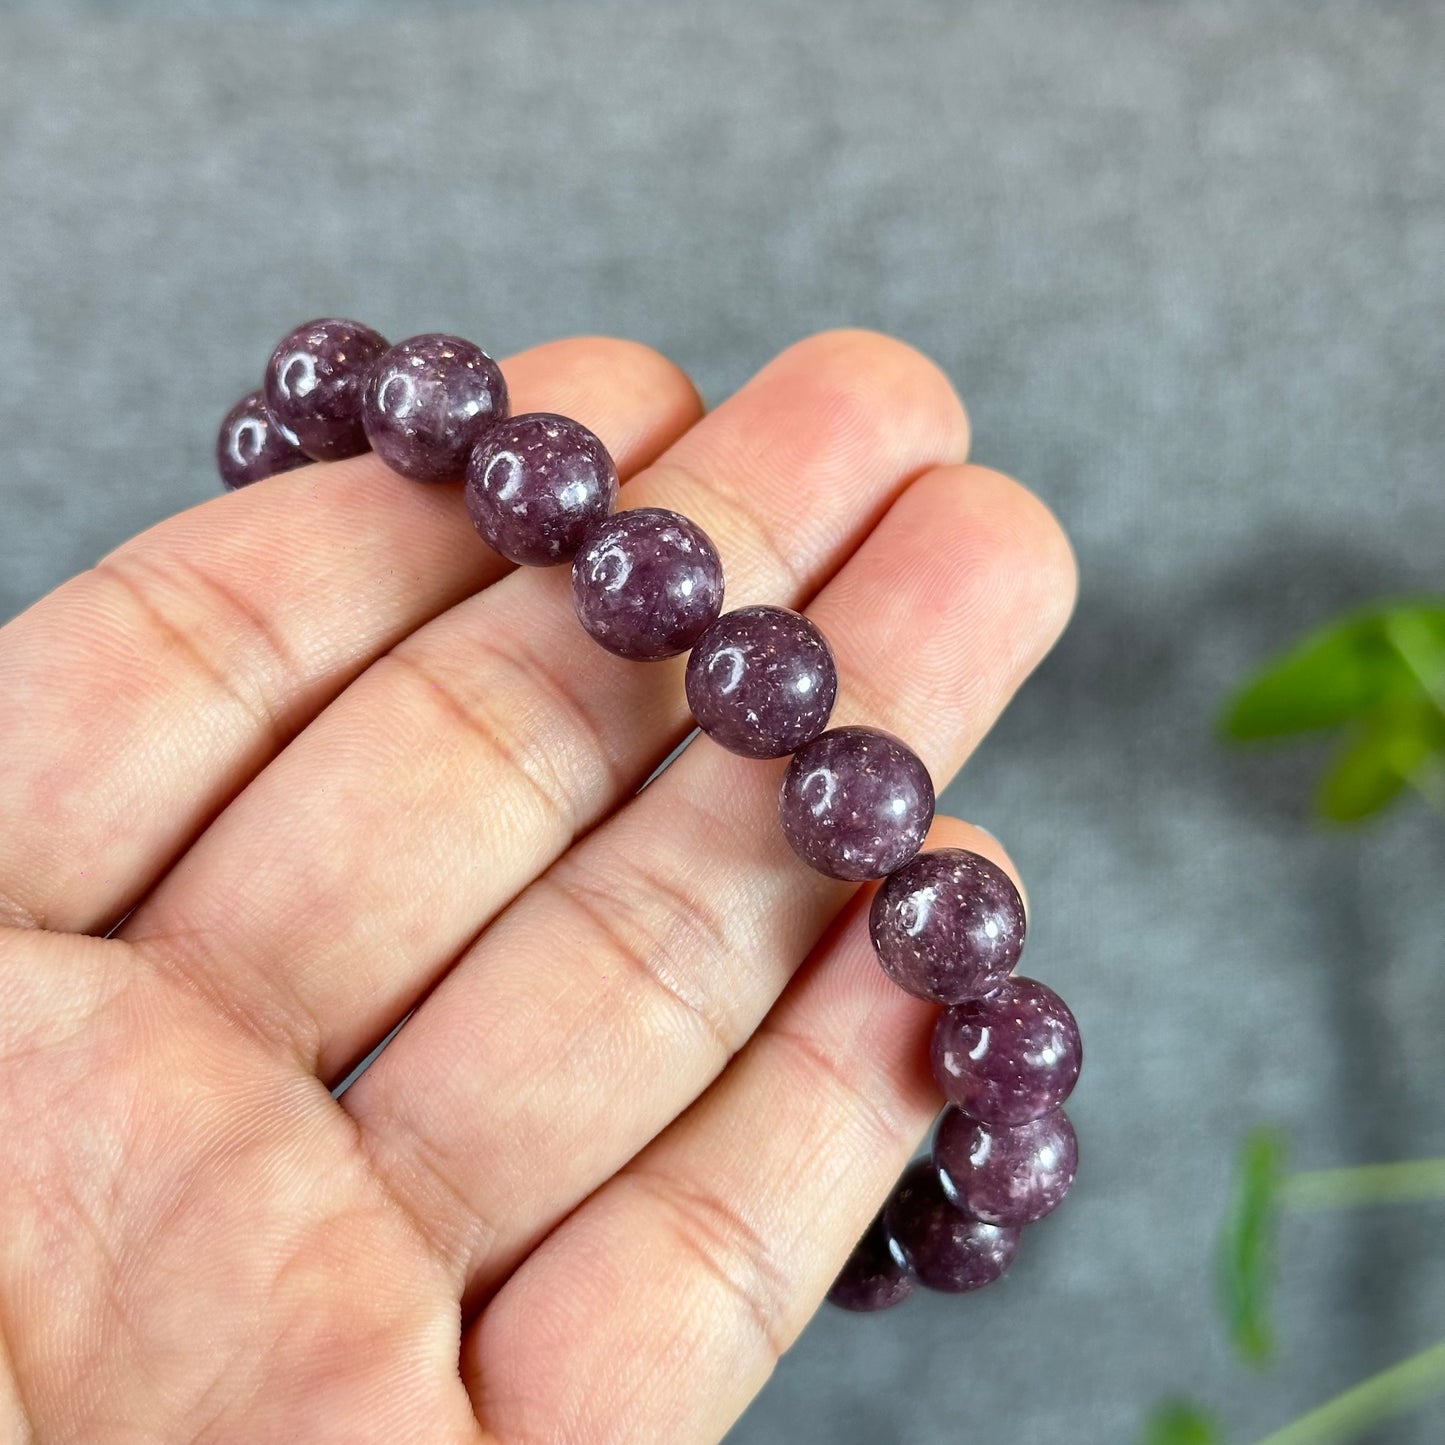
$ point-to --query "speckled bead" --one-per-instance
(1010, 1057)
(948, 926)
(427, 402)
(535, 484)
(314, 384)
(875, 1276)
(856, 803)
(1006, 1174)
(647, 583)
(945, 1247)
(251, 446)
(761, 681)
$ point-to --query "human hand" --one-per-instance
(330, 761)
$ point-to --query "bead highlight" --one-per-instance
(948, 926)
(762, 681)
(856, 803)
(427, 402)
(535, 484)
(1010, 1057)
(946, 1248)
(1006, 1174)
(314, 384)
(647, 583)
(251, 446)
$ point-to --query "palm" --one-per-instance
(330, 765)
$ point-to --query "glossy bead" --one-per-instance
(761, 681)
(427, 402)
(1010, 1057)
(945, 1247)
(535, 484)
(856, 803)
(875, 1276)
(251, 446)
(647, 583)
(314, 384)
(1006, 1174)
(948, 926)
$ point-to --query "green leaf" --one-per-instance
(1247, 1246)
(1181, 1422)
(1331, 677)
(1370, 771)
(1337, 674)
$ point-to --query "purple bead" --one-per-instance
(762, 681)
(251, 446)
(875, 1276)
(647, 583)
(314, 385)
(535, 484)
(1010, 1057)
(427, 402)
(1006, 1174)
(945, 1247)
(948, 926)
(856, 803)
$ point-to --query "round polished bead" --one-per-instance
(944, 1246)
(856, 803)
(647, 583)
(535, 484)
(875, 1276)
(251, 446)
(948, 926)
(1006, 1174)
(314, 384)
(427, 402)
(761, 681)
(1010, 1057)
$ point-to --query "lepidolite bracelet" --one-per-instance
(856, 803)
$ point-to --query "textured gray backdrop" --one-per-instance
(1187, 263)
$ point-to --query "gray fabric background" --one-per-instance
(1187, 263)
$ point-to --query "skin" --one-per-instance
(330, 760)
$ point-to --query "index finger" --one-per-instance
(141, 696)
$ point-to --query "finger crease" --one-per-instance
(529, 764)
(649, 954)
(254, 705)
(889, 1127)
(734, 1252)
(458, 1248)
(534, 670)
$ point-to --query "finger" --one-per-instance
(613, 992)
(142, 695)
(716, 1244)
(357, 868)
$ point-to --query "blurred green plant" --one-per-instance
(1248, 1245)
(1377, 678)
(1181, 1422)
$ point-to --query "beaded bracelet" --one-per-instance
(856, 803)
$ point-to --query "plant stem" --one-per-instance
(1413, 1181)
(1392, 1392)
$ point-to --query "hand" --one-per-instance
(330, 763)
